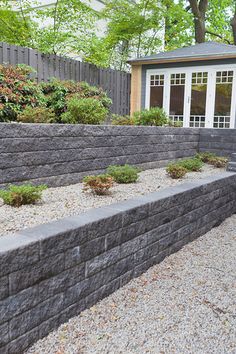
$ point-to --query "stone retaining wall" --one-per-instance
(52, 272)
(62, 154)
(220, 141)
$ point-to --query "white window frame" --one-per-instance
(211, 90)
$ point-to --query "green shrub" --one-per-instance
(17, 90)
(123, 174)
(37, 115)
(153, 116)
(205, 156)
(217, 161)
(58, 94)
(99, 184)
(191, 164)
(121, 120)
(176, 171)
(84, 111)
(21, 195)
(173, 124)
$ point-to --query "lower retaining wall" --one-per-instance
(52, 272)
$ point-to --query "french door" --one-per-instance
(196, 97)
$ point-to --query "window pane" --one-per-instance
(223, 99)
(177, 100)
(156, 96)
(198, 99)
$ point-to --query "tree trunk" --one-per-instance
(233, 26)
(199, 12)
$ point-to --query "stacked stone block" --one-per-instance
(52, 272)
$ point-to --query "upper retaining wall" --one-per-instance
(220, 141)
(62, 154)
(54, 271)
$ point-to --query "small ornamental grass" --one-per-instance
(205, 156)
(21, 195)
(176, 171)
(99, 184)
(192, 164)
(124, 173)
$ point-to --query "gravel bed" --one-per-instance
(186, 304)
(71, 200)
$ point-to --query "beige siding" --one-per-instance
(136, 78)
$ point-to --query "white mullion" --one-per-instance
(148, 91)
(210, 99)
(187, 98)
(233, 101)
(166, 93)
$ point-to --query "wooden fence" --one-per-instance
(115, 83)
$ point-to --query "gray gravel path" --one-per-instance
(71, 200)
(186, 304)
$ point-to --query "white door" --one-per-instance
(198, 97)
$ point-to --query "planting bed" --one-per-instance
(71, 200)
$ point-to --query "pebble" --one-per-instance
(71, 200)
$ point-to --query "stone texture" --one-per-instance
(62, 268)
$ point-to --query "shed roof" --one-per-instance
(201, 51)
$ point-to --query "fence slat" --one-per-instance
(115, 83)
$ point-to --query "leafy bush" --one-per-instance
(173, 124)
(17, 90)
(153, 116)
(219, 162)
(84, 111)
(37, 115)
(191, 164)
(116, 119)
(99, 185)
(123, 174)
(176, 171)
(21, 195)
(58, 94)
(205, 156)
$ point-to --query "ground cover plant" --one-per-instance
(124, 174)
(21, 195)
(99, 184)
(191, 164)
(212, 159)
(176, 171)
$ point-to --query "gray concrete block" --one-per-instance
(102, 261)
(29, 276)
(19, 345)
(16, 304)
(4, 335)
(59, 283)
(4, 287)
(32, 318)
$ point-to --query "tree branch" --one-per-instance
(218, 36)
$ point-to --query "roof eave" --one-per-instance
(179, 60)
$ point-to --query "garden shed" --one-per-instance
(194, 85)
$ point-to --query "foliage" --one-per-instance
(123, 174)
(217, 161)
(99, 184)
(117, 119)
(173, 124)
(21, 195)
(153, 116)
(58, 93)
(205, 156)
(17, 90)
(191, 164)
(37, 115)
(84, 111)
(176, 171)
